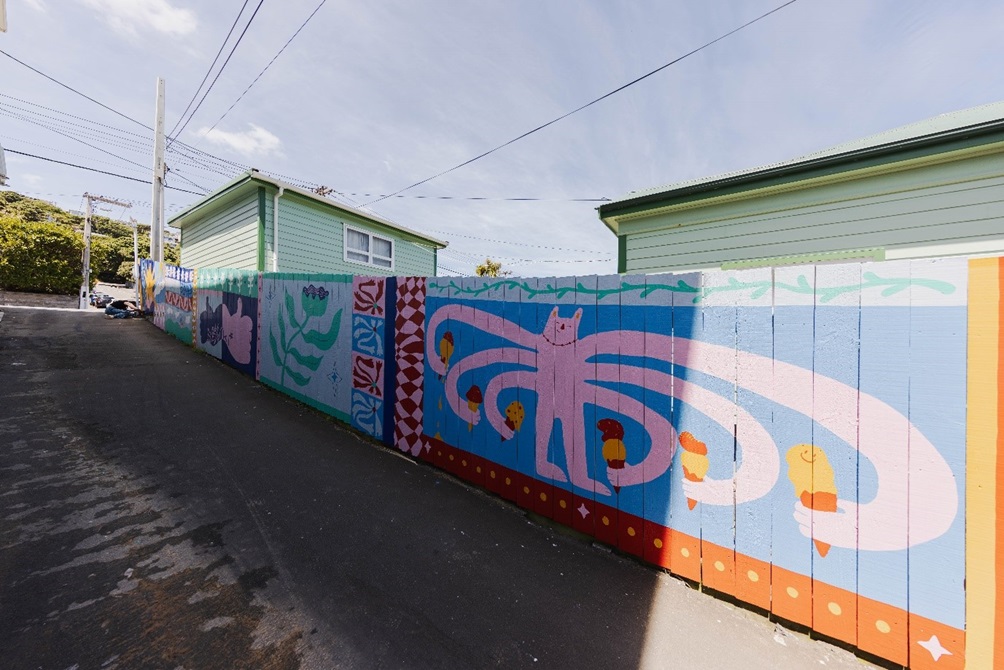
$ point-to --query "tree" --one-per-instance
(491, 268)
(111, 246)
(39, 256)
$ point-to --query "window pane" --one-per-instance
(381, 247)
(356, 240)
(382, 262)
(356, 256)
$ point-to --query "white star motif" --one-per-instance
(583, 510)
(933, 645)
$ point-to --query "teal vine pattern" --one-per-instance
(241, 282)
(757, 289)
(314, 303)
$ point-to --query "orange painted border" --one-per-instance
(984, 516)
(999, 558)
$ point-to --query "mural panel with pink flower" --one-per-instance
(304, 330)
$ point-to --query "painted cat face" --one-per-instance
(561, 331)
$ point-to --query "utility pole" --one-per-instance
(85, 287)
(157, 202)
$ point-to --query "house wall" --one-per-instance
(311, 240)
(818, 441)
(938, 209)
(226, 237)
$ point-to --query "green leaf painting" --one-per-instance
(314, 304)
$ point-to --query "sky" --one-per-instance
(373, 96)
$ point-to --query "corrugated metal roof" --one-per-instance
(939, 124)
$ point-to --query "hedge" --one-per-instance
(40, 257)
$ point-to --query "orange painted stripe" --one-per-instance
(982, 419)
(999, 558)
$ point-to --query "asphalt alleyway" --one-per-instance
(160, 510)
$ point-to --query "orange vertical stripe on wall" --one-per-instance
(999, 559)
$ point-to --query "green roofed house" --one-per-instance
(934, 188)
(260, 223)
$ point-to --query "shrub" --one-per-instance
(39, 257)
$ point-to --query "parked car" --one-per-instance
(100, 300)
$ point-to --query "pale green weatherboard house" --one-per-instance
(237, 227)
(934, 188)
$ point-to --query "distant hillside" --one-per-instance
(41, 247)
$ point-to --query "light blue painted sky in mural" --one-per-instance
(930, 373)
(374, 96)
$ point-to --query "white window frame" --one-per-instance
(345, 248)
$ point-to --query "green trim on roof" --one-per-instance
(261, 229)
(251, 179)
(957, 140)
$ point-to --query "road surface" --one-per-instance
(160, 510)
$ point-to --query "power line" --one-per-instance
(96, 134)
(116, 137)
(211, 66)
(61, 151)
(95, 147)
(590, 103)
(70, 88)
(141, 144)
(219, 72)
(75, 139)
(172, 147)
(68, 126)
(90, 169)
(485, 198)
(477, 258)
(78, 118)
(115, 111)
(241, 96)
(516, 244)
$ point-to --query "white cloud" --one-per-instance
(254, 142)
(37, 5)
(128, 17)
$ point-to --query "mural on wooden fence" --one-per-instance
(794, 437)
(305, 330)
(167, 294)
(227, 316)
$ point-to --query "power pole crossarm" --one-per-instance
(85, 287)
